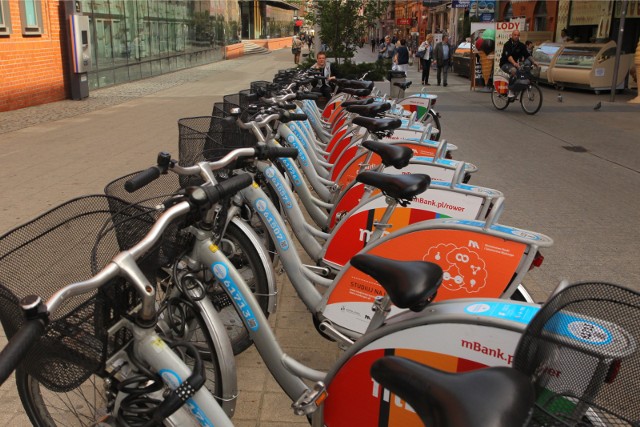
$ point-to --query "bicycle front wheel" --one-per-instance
(498, 100)
(245, 258)
(92, 403)
(531, 99)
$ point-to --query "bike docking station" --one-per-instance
(480, 259)
(449, 172)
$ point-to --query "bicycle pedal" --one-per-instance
(310, 400)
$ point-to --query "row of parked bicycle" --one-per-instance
(153, 287)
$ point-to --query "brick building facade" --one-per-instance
(32, 62)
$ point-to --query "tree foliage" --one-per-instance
(344, 23)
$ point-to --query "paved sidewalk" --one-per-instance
(588, 202)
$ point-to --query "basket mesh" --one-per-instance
(582, 351)
(67, 244)
(210, 138)
(262, 88)
(174, 240)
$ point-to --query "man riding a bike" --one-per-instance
(512, 52)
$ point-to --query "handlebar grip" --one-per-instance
(298, 116)
(228, 187)
(307, 95)
(143, 178)
(18, 346)
(272, 153)
(286, 116)
(287, 105)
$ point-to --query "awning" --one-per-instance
(281, 4)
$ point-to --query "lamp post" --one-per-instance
(616, 67)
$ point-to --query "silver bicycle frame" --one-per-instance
(289, 374)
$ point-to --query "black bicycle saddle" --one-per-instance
(370, 110)
(391, 155)
(491, 397)
(402, 86)
(409, 284)
(365, 101)
(356, 92)
(377, 125)
(399, 187)
(355, 84)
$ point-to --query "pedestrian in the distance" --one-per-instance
(442, 54)
(296, 49)
(401, 58)
(425, 53)
(387, 49)
(373, 44)
(309, 42)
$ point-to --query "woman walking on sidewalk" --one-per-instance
(425, 53)
(296, 49)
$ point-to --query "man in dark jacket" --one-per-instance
(442, 54)
(512, 53)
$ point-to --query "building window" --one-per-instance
(31, 16)
(540, 14)
(5, 18)
(508, 12)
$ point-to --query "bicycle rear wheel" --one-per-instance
(92, 402)
(498, 100)
(531, 99)
(434, 120)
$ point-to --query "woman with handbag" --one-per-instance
(425, 53)
(296, 49)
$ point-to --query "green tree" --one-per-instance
(343, 23)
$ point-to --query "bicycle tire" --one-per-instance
(257, 224)
(246, 259)
(499, 101)
(532, 98)
(435, 121)
(89, 404)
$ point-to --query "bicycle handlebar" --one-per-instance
(123, 262)
(15, 351)
(307, 95)
(143, 178)
(272, 153)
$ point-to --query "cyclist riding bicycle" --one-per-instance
(512, 52)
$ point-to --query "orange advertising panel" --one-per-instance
(328, 110)
(340, 146)
(342, 159)
(348, 201)
(336, 115)
(335, 139)
(474, 264)
(339, 122)
(355, 232)
(351, 170)
(355, 399)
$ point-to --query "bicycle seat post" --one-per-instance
(381, 308)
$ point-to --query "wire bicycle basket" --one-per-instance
(582, 350)
(209, 138)
(67, 244)
(166, 186)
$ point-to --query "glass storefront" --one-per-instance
(134, 39)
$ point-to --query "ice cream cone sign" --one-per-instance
(486, 61)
